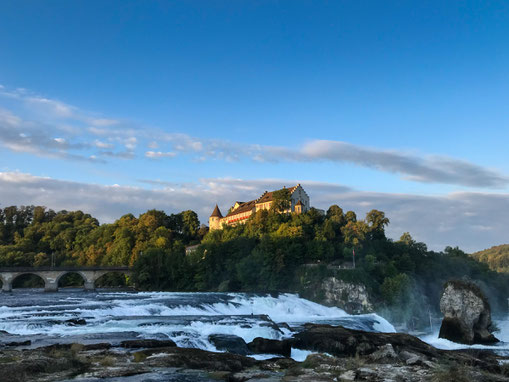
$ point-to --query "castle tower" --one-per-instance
(215, 219)
(298, 207)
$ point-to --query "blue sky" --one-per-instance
(130, 105)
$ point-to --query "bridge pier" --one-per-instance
(51, 286)
(6, 286)
(89, 285)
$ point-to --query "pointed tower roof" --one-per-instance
(299, 203)
(216, 213)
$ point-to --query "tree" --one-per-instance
(281, 200)
(335, 214)
(350, 216)
(354, 232)
(377, 222)
(190, 224)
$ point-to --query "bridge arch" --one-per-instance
(18, 278)
(112, 279)
(65, 275)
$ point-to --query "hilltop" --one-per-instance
(496, 257)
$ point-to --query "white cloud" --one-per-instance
(56, 108)
(75, 125)
(159, 154)
(130, 143)
(103, 122)
(102, 145)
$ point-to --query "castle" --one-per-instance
(241, 211)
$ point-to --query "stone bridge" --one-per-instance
(51, 275)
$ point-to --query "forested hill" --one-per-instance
(272, 252)
(29, 236)
(496, 257)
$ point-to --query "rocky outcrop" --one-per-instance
(230, 343)
(147, 343)
(467, 314)
(353, 298)
(266, 346)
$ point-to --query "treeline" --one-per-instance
(496, 257)
(36, 236)
(272, 252)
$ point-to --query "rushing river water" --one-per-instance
(186, 318)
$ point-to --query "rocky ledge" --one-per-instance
(340, 355)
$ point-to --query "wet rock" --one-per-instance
(198, 359)
(342, 342)
(266, 346)
(229, 343)
(286, 326)
(75, 322)
(99, 346)
(18, 343)
(147, 344)
(467, 314)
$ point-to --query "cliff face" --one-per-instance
(353, 298)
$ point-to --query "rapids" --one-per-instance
(186, 318)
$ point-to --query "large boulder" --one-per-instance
(229, 343)
(467, 314)
(267, 346)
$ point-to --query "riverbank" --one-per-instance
(334, 354)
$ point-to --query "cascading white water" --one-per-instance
(186, 318)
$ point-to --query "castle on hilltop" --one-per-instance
(241, 211)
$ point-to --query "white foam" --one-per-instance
(144, 313)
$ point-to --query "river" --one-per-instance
(186, 318)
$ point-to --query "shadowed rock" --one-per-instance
(229, 343)
(265, 346)
(135, 344)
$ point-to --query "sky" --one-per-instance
(116, 107)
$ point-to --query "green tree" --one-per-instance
(281, 200)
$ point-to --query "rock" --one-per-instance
(265, 346)
(18, 343)
(229, 343)
(99, 346)
(342, 342)
(284, 325)
(353, 298)
(75, 322)
(191, 358)
(416, 360)
(385, 352)
(135, 344)
(467, 314)
(348, 376)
